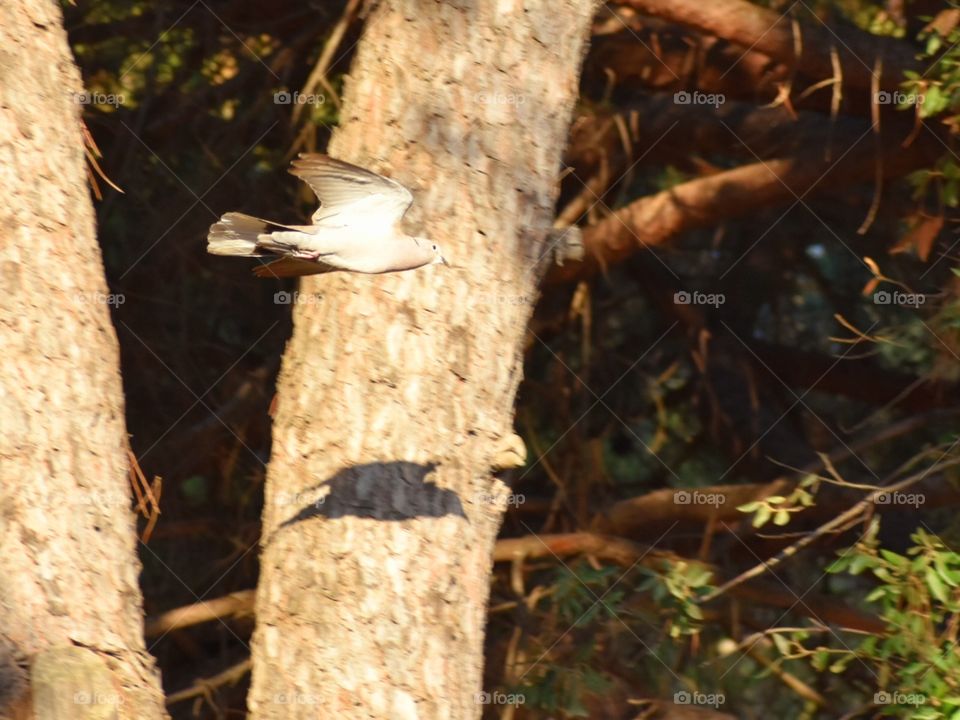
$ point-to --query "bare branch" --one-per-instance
(771, 33)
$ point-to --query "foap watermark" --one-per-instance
(301, 499)
(498, 98)
(696, 97)
(885, 297)
(298, 98)
(495, 299)
(900, 498)
(296, 699)
(296, 298)
(713, 700)
(101, 498)
(898, 698)
(98, 298)
(97, 698)
(896, 97)
(98, 98)
(515, 499)
(698, 298)
(499, 698)
(695, 497)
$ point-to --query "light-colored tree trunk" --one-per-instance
(71, 634)
(396, 395)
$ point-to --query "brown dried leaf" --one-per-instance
(920, 238)
(944, 22)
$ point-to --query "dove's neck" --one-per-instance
(413, 252)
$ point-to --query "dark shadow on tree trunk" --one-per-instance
(352, 492)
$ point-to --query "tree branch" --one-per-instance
(705, 201)
(773, 34)
(627, 553)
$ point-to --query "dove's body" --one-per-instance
(349, 249)
(357, 227)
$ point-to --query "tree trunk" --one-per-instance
(396, 395)
(71, 634)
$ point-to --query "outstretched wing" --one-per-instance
(351, 196)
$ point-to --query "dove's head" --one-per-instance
(429, 252)
(437, 255)
(434, 249)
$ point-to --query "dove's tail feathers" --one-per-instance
(291, 267)
(236, 234)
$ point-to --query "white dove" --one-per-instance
(357, 227)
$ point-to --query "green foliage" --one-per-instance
(562, 689)
(583, 597)
(942, 182)
(594, 611)
(939, 85)
(937, 95)
(779, 508)
(916, 663)
(677, 592)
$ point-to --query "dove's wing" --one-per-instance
(351, 196)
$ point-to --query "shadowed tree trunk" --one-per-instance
(396, 395)
(71, 634)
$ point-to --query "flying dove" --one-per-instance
(356, 228)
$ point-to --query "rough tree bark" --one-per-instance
(396, 395)
(71, 634)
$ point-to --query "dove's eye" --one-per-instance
(435, 248)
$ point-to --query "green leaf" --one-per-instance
(950, 577)
(819, 659)
(916, 625)
(951, 193)
(892, 557)
(860, 562)
(762, 516)
(934, 101)
(699, 577)
(937, 588)
(840, 665)
(839, 565)
(783, 645)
